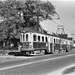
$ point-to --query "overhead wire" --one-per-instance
(46, 22)
(50, 24)
(67, 27)
(48, 27)
(64, 24)
(55, 23)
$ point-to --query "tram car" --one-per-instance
(34, 43)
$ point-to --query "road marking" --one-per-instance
(19, 65)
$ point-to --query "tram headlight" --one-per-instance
(30, 45)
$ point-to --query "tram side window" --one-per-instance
(23, 37)
(66, 42)
(46, 39)
(34, 37)
(42, 39)
(58, 41)
(38, 38)
(54, 40)
(71, 43)
(26, 37)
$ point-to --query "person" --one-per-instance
(19, 46)
(66, 50)
(59, 50)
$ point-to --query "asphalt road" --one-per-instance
(38, 65)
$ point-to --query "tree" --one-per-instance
(17, 15)
(36, 11)
(11, 19)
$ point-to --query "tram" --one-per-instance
(36, 43)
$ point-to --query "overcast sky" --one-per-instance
(66, 10)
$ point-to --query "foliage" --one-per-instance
(36, 11)
(17, 14)
(11, 19)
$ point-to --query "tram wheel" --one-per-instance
(42, 52)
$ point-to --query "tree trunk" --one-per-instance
(8, 41)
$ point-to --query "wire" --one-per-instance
(55, 22)
(68, 29)
(67, 26)
(49, 25)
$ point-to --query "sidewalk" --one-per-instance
(69, 70)
(10, 57)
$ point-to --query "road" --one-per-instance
(38, 65)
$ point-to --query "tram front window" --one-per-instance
(26, 37)
(23, 37)
(34, 37)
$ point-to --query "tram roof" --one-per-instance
(35, 31)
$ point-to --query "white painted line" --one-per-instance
(14, 58)
(59, 72)
(19, 65)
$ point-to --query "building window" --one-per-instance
(38, 38)
(34, 37)
(26, 37)
(42, 39)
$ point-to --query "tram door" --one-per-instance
(49, 44)
(51, 47)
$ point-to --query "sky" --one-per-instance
(66, 11)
